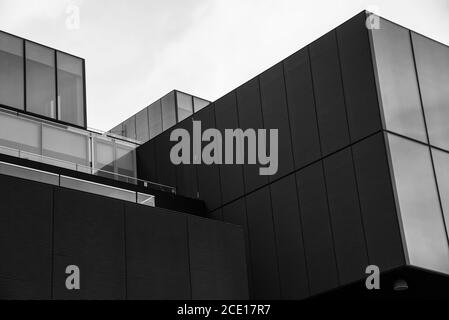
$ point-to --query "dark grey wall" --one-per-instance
(315, 224)
(123, 250)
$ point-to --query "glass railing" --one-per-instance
(76, 184)
(71, 148)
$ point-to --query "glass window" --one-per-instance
(20, 134)
(70, 89)
(65, 145)
(441, 161)
(432, 63)
(419, 207)
(142, 130)
(199, 104)
(117, 130)
(129, 128)
(185, 105)
(40, 80)
(11, 71)
(397, 81)
(168, 111)
(155, 118)
(125, 159)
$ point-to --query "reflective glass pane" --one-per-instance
(419, 207)
(441, 161)
(11, 71)
(185, 105)
(397, 81)
(155, 118)
(70, 89)
(103, 155)
(117, 130)
(125, 160)
(142, 129)
(65, 145)
(20, 134)
(40, 80)
(168, 111)
(199, 104)
(432, 64)
(129, 128)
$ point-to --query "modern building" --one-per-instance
(363, 179)
(159, 116)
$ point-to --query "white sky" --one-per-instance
(138, 50)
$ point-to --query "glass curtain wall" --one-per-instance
(11, 71)
(70, 89)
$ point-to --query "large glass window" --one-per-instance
(432, 63)
(397, 81)
(11, 71)
(142, 130)
(129, 128)
(199, 104)
(168, 111)
(40, 80)
(185, 105)
(441, 162)
(155, 118)
(422, 220)
(65, 145)
(70, 89)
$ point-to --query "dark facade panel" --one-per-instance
(186, 174)
(265, 272)
(329, 97)
(146, 162)
(275, 116)
(318, 239)
(301, 106)
(235, 213)
(358, 78)
(377, 203)
(289, 239)
(208, 176)
(217, 260)
(25, 239)
(250, 117)
(89, 233)
(231, 175)
(349, 238)
(157, 254)
(166, 170)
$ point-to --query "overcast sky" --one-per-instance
(138, 50)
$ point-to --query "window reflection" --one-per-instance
(142, 130)
(11, 71)
(40, 80)
(129, 128)
(441, 162)
(432, 64)
(420, 211)
(397, 81)
(185, 105)
(70, 89)
(168, 111)
(155, 118)
(199, 104)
